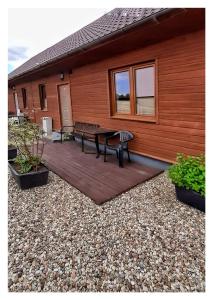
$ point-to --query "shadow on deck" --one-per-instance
(98, 180)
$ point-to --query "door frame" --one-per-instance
(59, 102)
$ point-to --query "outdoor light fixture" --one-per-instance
(62, 76)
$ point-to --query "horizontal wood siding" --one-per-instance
(11, 103)
(181, 97)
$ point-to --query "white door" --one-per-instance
(65, 104)
(16, 102)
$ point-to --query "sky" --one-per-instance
(122, 83)
(32, 30)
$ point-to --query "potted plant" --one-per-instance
(188, 176)
(27, 167)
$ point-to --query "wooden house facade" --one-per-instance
(146, 74)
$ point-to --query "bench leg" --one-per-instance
(97, 146)
(105, 153)
(82, 143)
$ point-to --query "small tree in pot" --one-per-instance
(27, 167)
(188, 175)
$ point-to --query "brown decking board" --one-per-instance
(98, 180)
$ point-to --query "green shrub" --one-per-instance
(189, 172)
(26, 163)
(27, 138)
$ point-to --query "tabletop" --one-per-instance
(97, 131)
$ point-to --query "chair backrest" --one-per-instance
(125, 136)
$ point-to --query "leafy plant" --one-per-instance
(189, 172)
(24, 164)
(67, 136)
(27, 138)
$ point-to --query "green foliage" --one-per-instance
(27, 138)
(67, 136)
(23, 163)
(26, 163)
(189, 172)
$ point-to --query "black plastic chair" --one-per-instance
(122, 145)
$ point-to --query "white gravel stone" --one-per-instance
(142, 241)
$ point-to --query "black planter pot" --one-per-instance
(31, 179)
(191, 198)
(12, 153)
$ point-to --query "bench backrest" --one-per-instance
(85, 126)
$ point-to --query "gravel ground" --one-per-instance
(143, 240)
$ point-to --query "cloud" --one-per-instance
(16, 53)
(26, 41)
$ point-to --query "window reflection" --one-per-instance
(122, 89)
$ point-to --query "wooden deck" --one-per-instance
(98, 180)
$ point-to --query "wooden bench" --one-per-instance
(83, 131)
(80, 130)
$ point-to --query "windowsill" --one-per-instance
(45, 109)
(148, 119)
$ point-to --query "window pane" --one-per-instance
(122, 89)
(145, 91)
(43, 97)
(145, 106)
(24, 97)
(145, 81)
